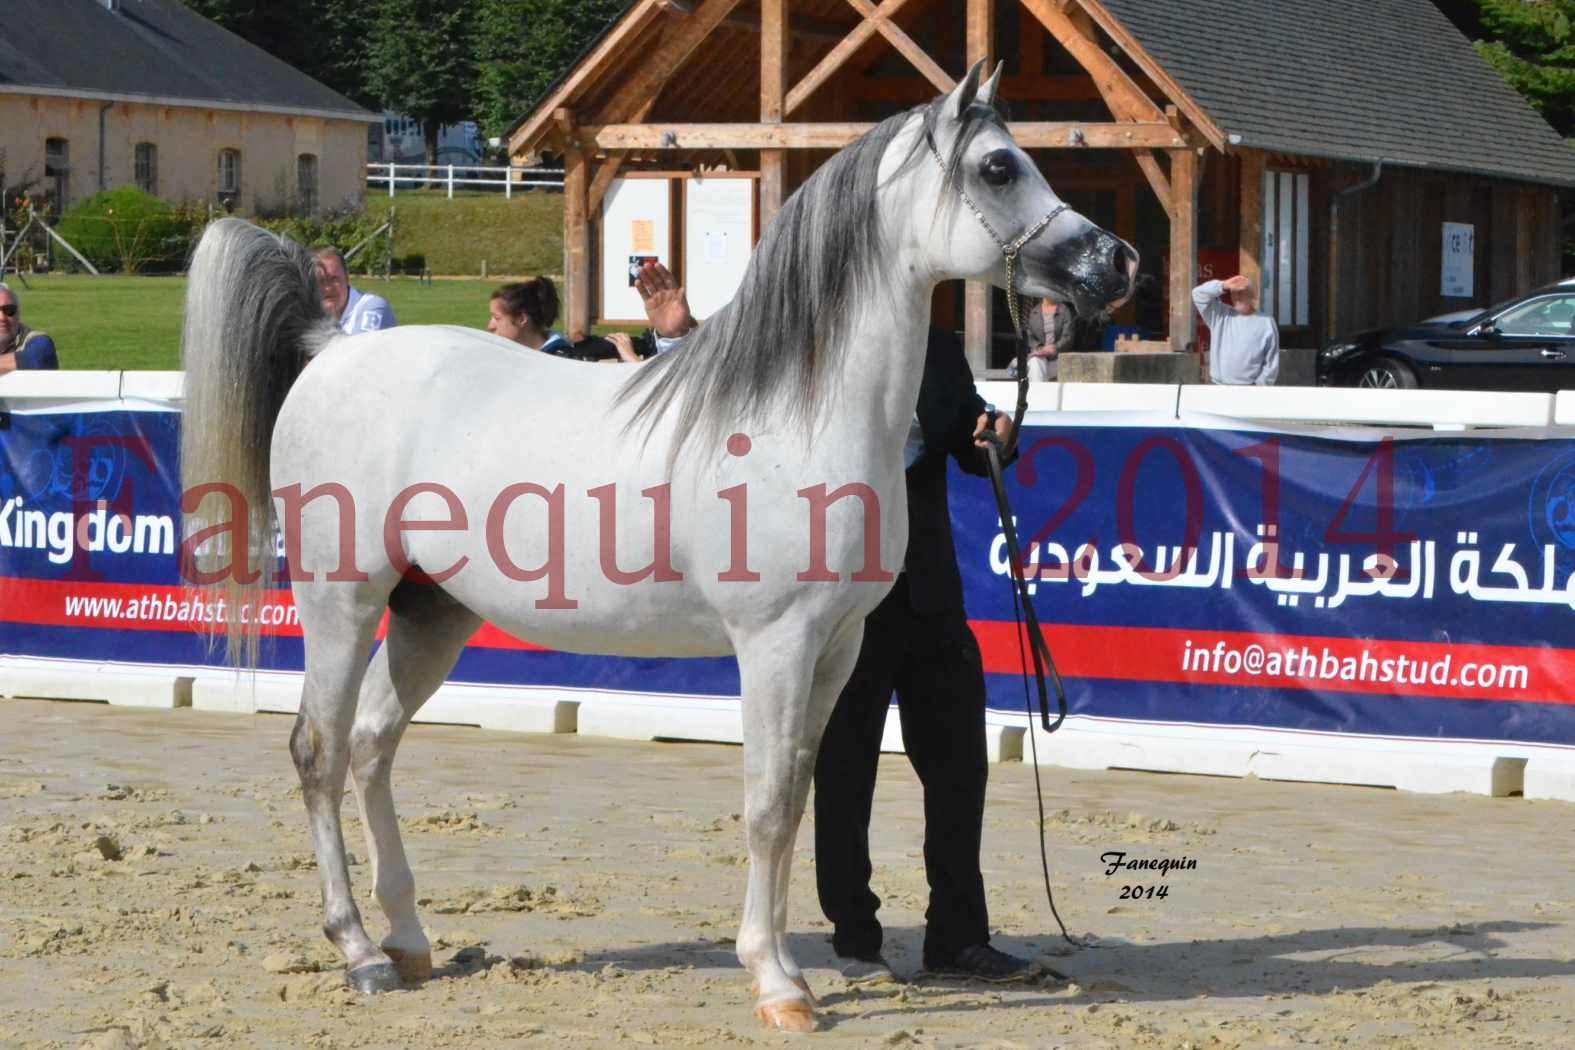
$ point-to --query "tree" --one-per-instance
(1531, 43)
(422, 62)
(325, 39)
(523, 46)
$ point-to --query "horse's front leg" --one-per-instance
(789, 690)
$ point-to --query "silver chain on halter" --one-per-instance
(1010, 249)
(995, 451)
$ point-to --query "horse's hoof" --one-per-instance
(374, 978)
(798, 982)
(414, 966)
(787, 1015)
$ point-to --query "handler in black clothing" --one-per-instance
(917, 643)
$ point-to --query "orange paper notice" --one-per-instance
(643, 233)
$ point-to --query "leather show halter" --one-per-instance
(995, 450)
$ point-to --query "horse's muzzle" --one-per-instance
(1095, 270)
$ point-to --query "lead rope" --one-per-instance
(1022, 608)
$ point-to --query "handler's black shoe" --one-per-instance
(869, 971)
(980, 962)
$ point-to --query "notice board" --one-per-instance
(718, 236)
(637, 224)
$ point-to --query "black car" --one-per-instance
(1525, 344)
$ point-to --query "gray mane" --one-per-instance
(783, 333)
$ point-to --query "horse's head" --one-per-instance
(995, 203)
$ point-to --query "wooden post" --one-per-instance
(773, 90)
(978, 320)
(576, 242)
(1250, 265)
(1183, 244)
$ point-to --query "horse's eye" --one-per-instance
(998, 168)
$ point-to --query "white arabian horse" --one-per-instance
(686, 507)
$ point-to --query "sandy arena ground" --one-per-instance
(157, 889)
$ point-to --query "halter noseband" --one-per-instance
(1009, 249)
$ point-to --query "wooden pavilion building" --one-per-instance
(1357, 158)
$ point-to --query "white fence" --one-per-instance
(415, 176)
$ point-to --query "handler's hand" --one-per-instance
(1002, 428)
(625, 347)
(1237, 284)
(666, 306)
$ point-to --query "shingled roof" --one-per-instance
(158, 51)
(1363, 80)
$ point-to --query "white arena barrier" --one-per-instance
(1537, 770)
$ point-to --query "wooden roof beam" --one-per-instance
(908, 48)
(637, 18)
(657, 66)
(1154, 71)
(1028, 134)
(1125, 99)
(811, 28)
(834, 59)
(1016, 87)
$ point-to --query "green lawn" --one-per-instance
(522, 236)
(135, 322)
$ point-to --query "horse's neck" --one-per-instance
(879, 385)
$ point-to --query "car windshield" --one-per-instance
(1495, 310)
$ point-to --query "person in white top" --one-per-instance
(354, 311)
(1244, 345)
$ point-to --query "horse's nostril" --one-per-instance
(1125, 260)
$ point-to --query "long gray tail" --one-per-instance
(253, 320)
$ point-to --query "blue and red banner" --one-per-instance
(1414, 586)
(1337, 582)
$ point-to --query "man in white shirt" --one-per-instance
(1244, 345)
(352, 310)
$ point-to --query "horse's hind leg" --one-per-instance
(426, 631)
(338, 623)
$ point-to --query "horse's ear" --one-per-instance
(988, 88)
(963, 94)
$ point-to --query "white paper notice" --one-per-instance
(1460, 242)
(716, 245)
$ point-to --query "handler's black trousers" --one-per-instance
(933, 666)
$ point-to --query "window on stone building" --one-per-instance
(57, 168)
(146, 167)
(230, 176)
(306, 182)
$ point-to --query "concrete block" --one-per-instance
(152, 386)
(1456, 408)
(1298, 366)
(716, 719)
(1421, 765)
(1042, 397)
(1120, 397)
(514, 710)
(246, 692)
(30, 389)
(1170, 368)
(121, 685)
(1550, 776)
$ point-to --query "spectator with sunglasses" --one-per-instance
(20, 346)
